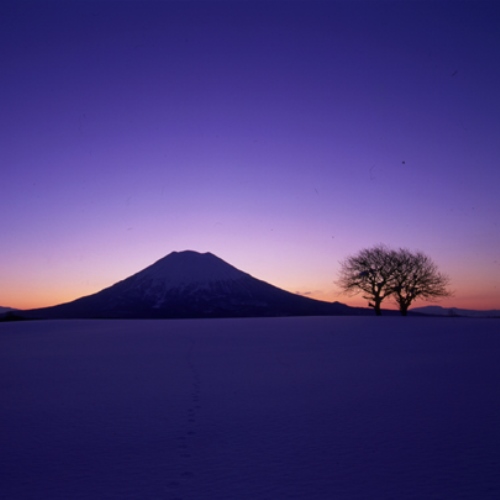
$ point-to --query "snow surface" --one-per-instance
(282, 408)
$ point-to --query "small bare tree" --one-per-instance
(416, 276)
(370, 271)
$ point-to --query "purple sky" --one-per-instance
(280, 136)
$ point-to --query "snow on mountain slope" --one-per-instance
(181, 269)
(186, 273)
(190, 285)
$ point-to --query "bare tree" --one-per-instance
(380, 272)
(371, 271)
(416, 276)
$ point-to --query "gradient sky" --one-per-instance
(280, 136)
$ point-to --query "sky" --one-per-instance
(281, 136)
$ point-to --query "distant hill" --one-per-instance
(453, 311)
(10, 314)
(191, 285)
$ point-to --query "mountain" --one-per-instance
(9, 314)
(453, 311)
(190, 285)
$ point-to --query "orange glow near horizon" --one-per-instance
(39, 298)
(464, 300)
(26, 296)
(257, 140)
(477, 302)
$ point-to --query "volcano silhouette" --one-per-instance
(190, 285)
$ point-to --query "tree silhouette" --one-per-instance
(380, 272)
(416, 276)
(371, 271)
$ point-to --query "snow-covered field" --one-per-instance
(285, 408)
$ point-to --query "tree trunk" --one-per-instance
(376, 307)
(404, 304)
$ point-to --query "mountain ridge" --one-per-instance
(190, 284)
(456, 311)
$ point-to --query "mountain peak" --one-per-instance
(190, 257)
(180, 269)
(189, 284)
(187, 253)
